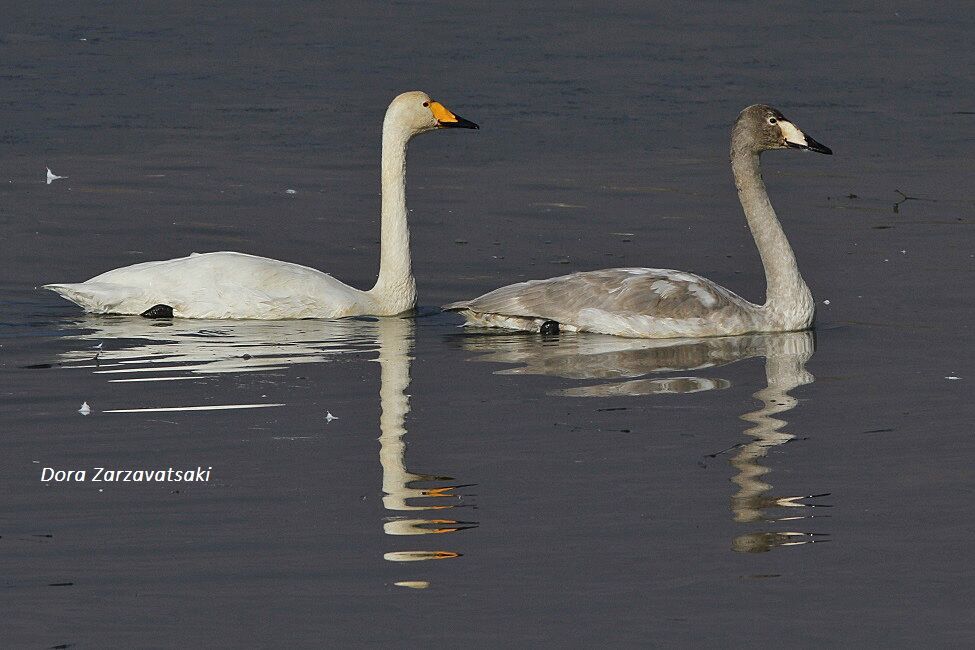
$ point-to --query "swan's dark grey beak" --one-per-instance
(460, 123)
(447, 120)
(812, 145)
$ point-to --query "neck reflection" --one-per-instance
(401, 489)
(785, 359)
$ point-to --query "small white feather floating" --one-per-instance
(51, 176)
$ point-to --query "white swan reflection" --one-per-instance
(125, 348)
(627, 362)
(400, 486)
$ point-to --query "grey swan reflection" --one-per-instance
(785, 369)
(136, 349)
(626, 362)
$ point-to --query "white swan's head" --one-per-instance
(416, 112)
(760, 128)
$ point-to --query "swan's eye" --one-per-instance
(426, 104)
(772, 120)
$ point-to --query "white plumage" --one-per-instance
(218, 285)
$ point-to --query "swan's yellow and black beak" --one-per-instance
(447, 120)
(796, 139)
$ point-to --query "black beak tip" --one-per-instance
(461, 123)
(818, 148)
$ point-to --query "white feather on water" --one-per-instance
(51, 176)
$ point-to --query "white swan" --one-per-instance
(237, 285)
(661, 303)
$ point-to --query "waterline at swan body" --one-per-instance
(237, 285)
(662, 303)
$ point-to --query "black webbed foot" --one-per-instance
(158, 311)
(548, 328)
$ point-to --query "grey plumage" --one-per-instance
(625, 292)
(662, 303)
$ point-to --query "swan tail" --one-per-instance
(101, 297)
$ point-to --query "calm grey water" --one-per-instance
(806, 489)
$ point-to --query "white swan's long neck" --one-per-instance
(787, 297)
(395, 289)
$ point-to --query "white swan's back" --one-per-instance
(216, 285)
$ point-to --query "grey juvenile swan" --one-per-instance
(661, 303)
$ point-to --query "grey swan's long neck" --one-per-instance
(788, 300)
(395, 287)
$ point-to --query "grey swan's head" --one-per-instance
(762, 128)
